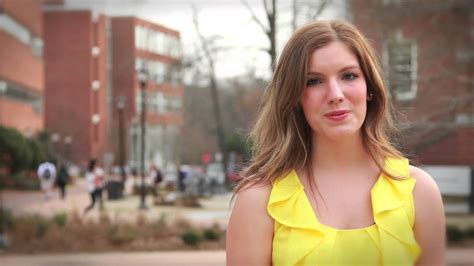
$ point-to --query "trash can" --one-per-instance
(115, 190)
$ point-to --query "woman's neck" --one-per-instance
(344, 153)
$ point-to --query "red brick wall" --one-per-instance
(68, 60)
(123, 70)
(19, 65)
(20, 116)
(27, 12)
(442, 77)
(99, 98)
(457, 149)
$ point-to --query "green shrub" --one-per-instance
(6, 220)
(191, 238)
(211, 234)
(42, 227)
(470, 231)
(454, 234)
(120, 235)
(60, 219)
(14, 150)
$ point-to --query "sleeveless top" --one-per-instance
(300, 239)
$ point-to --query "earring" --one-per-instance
(370, 96)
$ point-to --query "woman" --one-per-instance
(95, 184)
(326, 186)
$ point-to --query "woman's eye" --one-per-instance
(312, 82)
(349, 76)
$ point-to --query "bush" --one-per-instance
(19, 181)
(60, 219)
(120, 235)
(211, 234)
(470, 231)
(454, 234)
(191, 238)
(19, 153)
(6, 220)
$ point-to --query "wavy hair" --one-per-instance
(281, 137)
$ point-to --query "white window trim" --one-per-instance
(408, 95)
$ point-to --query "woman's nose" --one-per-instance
(335, 94)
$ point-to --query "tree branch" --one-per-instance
(254, 16)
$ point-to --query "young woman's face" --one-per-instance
(334, 99)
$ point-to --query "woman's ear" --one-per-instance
(370, 96)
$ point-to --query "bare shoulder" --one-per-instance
(425, 184)
(254, 194)
(250, 228)
(252, 199)
(429, 226)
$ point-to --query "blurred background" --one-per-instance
(162, 94)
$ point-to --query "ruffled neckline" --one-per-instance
(288, 205)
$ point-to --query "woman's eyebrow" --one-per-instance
(350, 67)
(315, 73)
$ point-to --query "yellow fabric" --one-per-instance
(300, 239)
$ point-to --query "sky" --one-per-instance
(240, 37)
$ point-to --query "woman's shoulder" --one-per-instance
(426, 194)
(424, 182)
(254, 194)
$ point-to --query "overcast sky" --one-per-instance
(226, 18)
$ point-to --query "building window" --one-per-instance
(157, 42)
(401, 62)
(17, 93)
(21, 33)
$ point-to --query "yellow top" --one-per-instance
(300, 239)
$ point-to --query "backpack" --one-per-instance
(158, 177)
(46, 173)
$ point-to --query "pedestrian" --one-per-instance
(95, 184)
(326, 186)
(47, 175)
(155, 179)
(62, 179)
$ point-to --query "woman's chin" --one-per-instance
(340, 133)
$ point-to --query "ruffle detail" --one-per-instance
(289, 207)
(392, 203)
(298, 233)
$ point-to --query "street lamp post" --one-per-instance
(67, 148)
(121, 135)
(142, 77)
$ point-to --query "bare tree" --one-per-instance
(208, 52)
(445, 95)
(311, 10)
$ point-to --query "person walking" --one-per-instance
(47, 175)
(95, 184)
(63, 179)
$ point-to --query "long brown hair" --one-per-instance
(281, 137)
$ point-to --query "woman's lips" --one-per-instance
(337, 115)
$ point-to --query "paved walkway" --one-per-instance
(455, 257)
(214, 210)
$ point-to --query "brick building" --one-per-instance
(92, 63)
(76, 83)
(21, 65)
(427, 49)
(139, 44)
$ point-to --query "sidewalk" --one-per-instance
(214, 210)
(455, 257)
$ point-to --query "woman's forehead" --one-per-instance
(335, 55)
